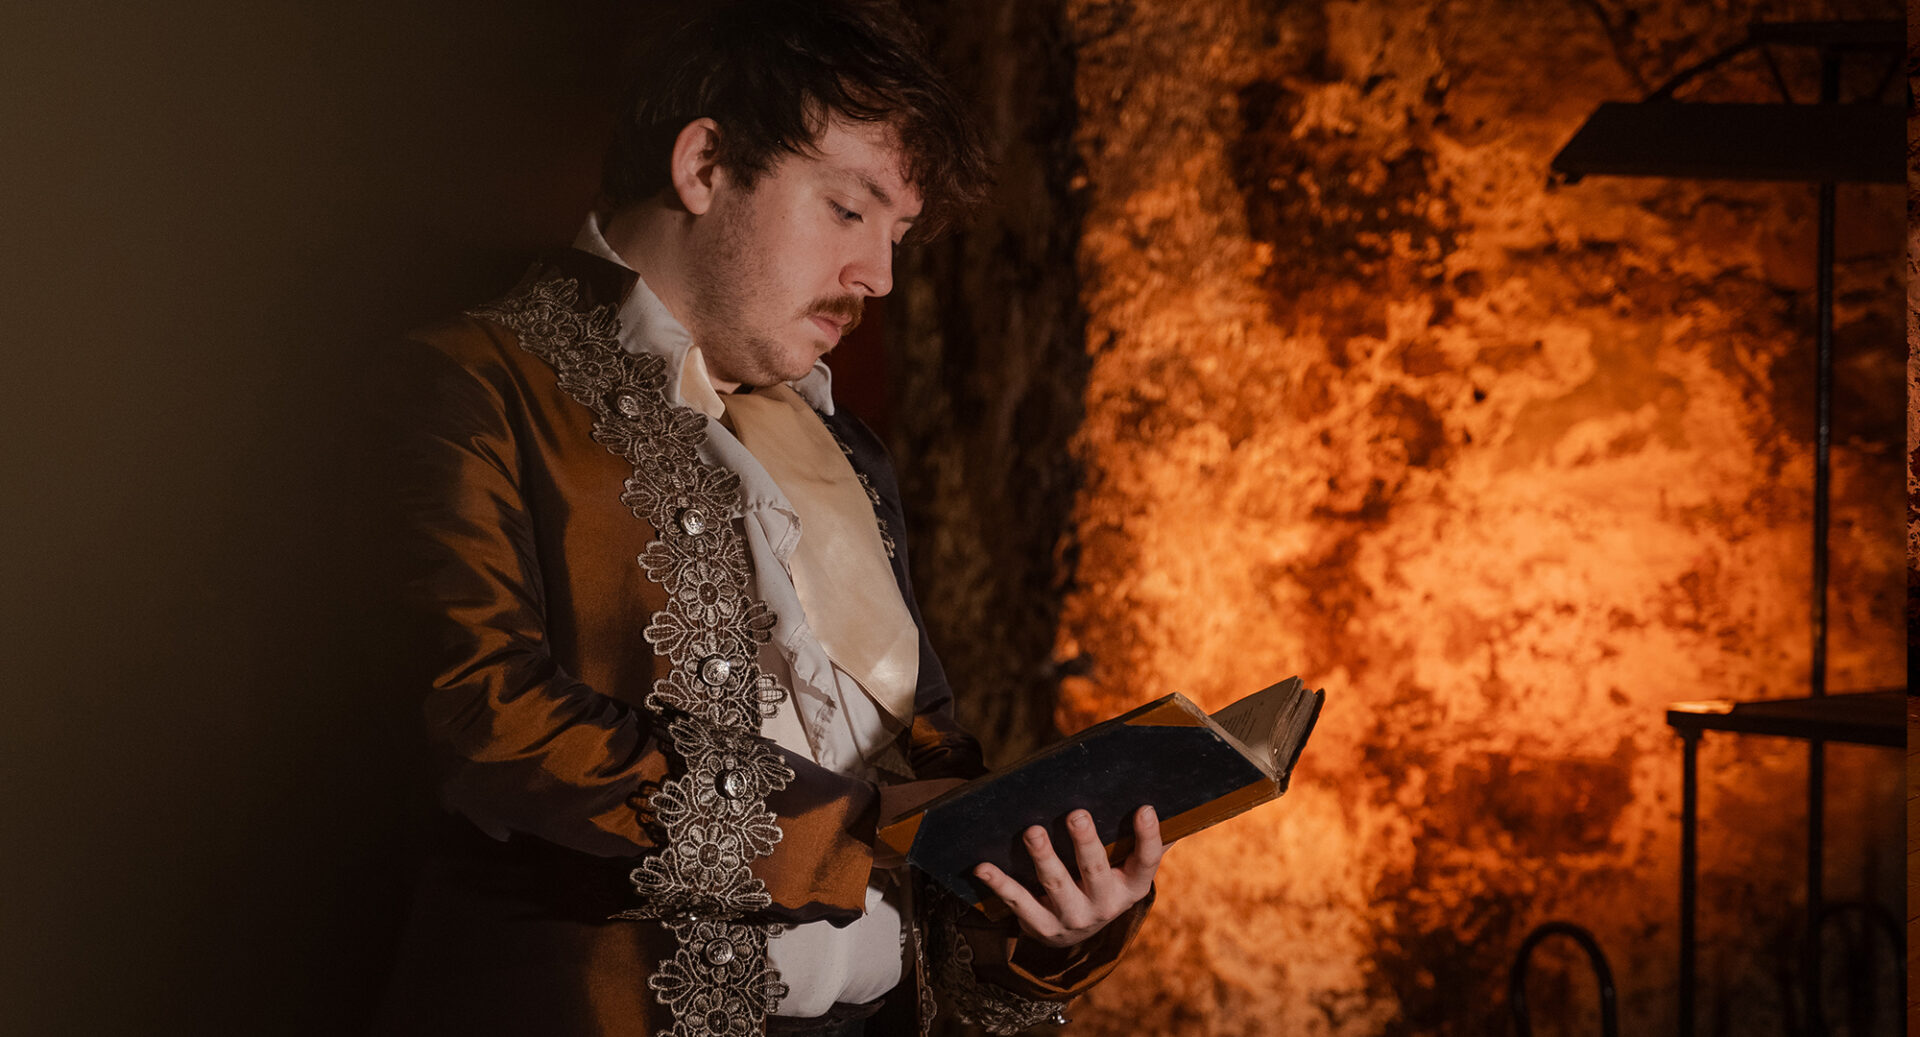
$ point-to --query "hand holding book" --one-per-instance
(1067, 912)
(1193, 768)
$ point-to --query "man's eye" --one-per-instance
(844, 213)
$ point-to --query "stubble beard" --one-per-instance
(727, 274)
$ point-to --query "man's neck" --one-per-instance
(651, 238)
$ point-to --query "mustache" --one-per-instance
(844, 308)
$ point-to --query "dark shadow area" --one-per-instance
(987, 368)
(216, 215)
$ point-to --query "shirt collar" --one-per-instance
(647, 327)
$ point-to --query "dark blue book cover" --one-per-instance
(1195, 770)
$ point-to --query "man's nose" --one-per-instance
(871, 272)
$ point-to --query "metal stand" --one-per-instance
(1859, 718)
(1823, 143)
(1822, 481)
(1602, 975)
(1689, 869)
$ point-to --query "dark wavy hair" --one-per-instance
(772, 73)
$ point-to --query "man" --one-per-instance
(678, 672)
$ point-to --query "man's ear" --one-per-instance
(692, 167)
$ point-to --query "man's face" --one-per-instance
(779, 272)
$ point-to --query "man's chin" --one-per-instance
(772, 368)
(780, 375)
(802, 365)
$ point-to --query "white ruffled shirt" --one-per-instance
(828, 718)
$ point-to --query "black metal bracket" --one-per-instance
(1602, 973)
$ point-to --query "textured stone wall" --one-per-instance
(989, 369)
(1913, 334)
(1505, 467)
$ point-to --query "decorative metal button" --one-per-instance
(719, 952)
(693, 521)
(731, 783)
(714, 671)
(629, 403)
(1059, 1018)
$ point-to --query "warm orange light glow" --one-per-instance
(1506, 469)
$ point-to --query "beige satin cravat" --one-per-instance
(840, 569)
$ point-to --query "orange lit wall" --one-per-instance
(1504, 468)
(1913, 365)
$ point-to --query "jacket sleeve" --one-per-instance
(521, 745)
(1000, 980)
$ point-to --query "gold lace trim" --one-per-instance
(718, 981)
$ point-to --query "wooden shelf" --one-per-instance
(1859, 718)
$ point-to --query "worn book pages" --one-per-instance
(1195, 770)
(1272, 725)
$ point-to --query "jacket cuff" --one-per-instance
(1033, 969)
(1003, 984)
(820, 868)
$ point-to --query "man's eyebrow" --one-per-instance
(879, 193)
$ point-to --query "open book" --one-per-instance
(1195, 770)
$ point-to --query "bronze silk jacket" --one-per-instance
(620, 840)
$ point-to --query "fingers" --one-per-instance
(1147, 849)
(1087, 850)
(1031, 914)
(1068, 912)
(1055, 881)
